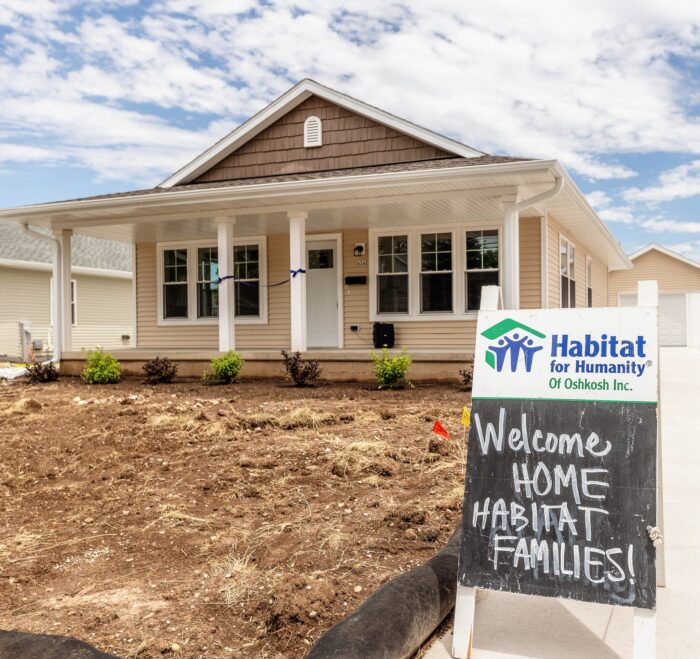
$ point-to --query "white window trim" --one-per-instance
(74, 301)
(572, 272)
(589, 278)
(192, 246)
(459, 257)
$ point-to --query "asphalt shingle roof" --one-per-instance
(86, 251)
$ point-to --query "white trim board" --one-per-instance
(76, 269)
(291, 99)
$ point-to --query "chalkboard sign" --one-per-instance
(561, 465)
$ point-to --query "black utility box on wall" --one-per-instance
(383, 335)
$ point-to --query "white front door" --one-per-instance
(322, 293)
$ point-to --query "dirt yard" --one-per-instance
(216, 521)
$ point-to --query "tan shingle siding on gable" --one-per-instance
(673, 275)
(349, 141)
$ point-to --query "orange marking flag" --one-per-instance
(439, 429)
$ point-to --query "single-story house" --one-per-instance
(328, 215)
(101, 307)
(679, 292)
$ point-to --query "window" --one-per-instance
(175, 283)
(482, 267)
(589, 280)
(246, 265)
(207, 288)
(313, 134)
(73, 301)
(567, 266)
(188, 287)
(435, 272)
(392, 274)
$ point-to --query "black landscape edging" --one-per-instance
(22, 645)
(395, 620)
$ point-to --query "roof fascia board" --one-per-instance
(572, 190)
(265, 190)
(663, 250)
(18, 264)
(288, 101)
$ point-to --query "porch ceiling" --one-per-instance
(437, 197)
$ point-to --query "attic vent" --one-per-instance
(312, 132)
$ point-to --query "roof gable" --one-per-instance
(349, 141)
(293, 98)
(655, 247)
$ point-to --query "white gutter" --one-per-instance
(511, 242)
(56, 285)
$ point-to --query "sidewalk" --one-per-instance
(510, 625)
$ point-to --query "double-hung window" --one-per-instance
(435, 272)
(189, 287)
(207, 286)
(567, 267)
(175, 283)
(481, 265)
(246, 265)
(589, 281)
(392, 274)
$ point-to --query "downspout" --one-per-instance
(512, 242)
(56, 287)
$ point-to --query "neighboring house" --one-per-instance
(366, 217)
(101, 307)
(679, 292)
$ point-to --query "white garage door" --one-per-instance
(672, 317)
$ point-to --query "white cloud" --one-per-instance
(677, 183)
(673, 226)
(599, 199)
(689, 248)
(619, 214)
(592, 82)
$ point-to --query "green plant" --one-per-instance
(159, 370)
(42, 372)
(299, 371)
(225, 368)
(101, 368)
(467, 375)
(390, 371)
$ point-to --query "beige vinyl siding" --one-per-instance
(673, 276)
(600, 274)
(104, 313)
(356, 298)
(530, 263)
(24, 298)
(104, 306)
(275, 334)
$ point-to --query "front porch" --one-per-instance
(337, 365)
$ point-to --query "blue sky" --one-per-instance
(114, 95)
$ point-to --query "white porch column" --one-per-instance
(64, 288)
(511, 254)
(297, 285)
(227, 288)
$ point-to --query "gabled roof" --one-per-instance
(663, 250)
(291, 99)
(86, 251)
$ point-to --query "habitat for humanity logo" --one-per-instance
(512, 339)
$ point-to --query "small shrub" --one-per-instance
(159, 370)
(42, 372)
(299, 371)
(101, 368)
(390, 371)
(225, 368)
(467, 375)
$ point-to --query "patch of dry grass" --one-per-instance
(362, 458)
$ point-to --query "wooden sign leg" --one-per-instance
(463, 634)
(644, 634)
